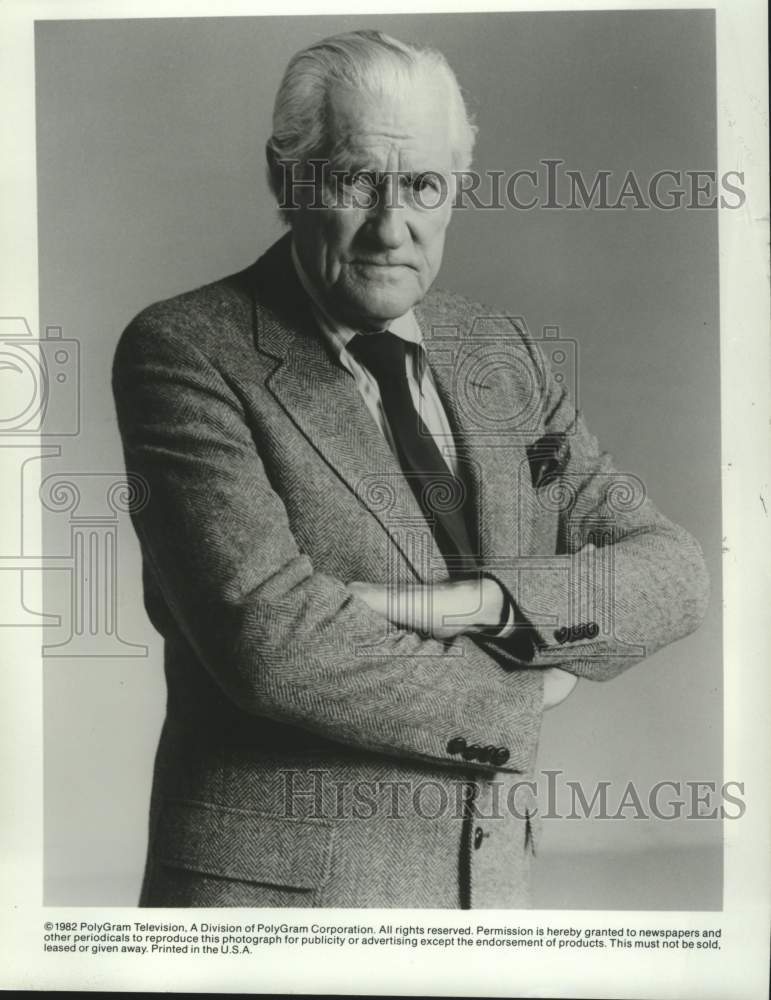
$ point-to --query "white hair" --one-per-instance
(368, 61)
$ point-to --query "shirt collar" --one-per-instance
(339, 334)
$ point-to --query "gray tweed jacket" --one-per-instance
(312, 755)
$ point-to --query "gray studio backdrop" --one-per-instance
(150, 138)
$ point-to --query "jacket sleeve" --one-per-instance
(624, 580)
(280, 638)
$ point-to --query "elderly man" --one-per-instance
(379, 540)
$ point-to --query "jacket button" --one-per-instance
(592, 630)
(479, 836)
(561, 634)
(500, 755)
(456, 745)
(472, 752)
(485, 754)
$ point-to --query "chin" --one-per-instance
(381, 314)
(384, 305)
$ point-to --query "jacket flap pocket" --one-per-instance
(238, 844)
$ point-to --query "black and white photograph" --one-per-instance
(376, 498)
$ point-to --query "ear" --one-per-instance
(276, 177)
(452, 187)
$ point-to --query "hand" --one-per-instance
(557, 685)
(443, 610)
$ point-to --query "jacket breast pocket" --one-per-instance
(209, 855)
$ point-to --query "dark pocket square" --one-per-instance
(547, 456)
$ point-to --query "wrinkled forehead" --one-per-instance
(406, 129)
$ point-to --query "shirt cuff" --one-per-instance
(508, 620)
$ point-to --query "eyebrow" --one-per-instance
(342, 160)
(378, 175)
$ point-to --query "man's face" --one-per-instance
(375, 247)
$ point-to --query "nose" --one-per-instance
(387, 220)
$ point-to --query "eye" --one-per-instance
(425, 182)
(361, 178)
(427, 189)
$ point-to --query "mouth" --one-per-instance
(379, 265)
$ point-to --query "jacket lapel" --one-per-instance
(491, 456)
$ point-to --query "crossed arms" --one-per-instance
(448, 610)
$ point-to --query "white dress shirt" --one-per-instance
(419, 378)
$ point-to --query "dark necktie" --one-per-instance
(442, 496)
